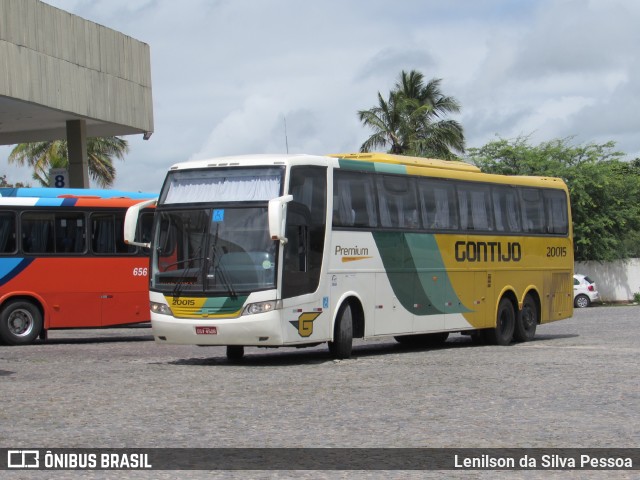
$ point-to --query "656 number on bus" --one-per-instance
(140, 272)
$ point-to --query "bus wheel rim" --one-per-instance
(20, 323)
(529, 320)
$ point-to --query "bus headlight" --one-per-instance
(161, 308)
(262, 307)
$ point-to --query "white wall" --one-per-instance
(54, 59)
(616, 281)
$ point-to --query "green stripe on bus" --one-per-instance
(390, 168)
(356, 165)
(223, 304)
(417, 273)
(371, 166)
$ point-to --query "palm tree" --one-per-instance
(386, 121)
(42, 156)
(413, 121)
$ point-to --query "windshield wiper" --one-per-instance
(224, 278)
(177, 289)
(219, 268)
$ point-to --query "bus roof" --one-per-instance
(387, 163)
(378, 162)
(247, 160)
(235, 161)
(408, 161)
(69, 202)
(45, 192)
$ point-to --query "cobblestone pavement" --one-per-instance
(575, 385)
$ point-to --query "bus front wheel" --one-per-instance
(502, 334)
(20, 322)
(342, 342)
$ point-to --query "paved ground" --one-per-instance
(576, 385)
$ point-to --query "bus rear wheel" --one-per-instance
(342, 343)
(527, 321)
(502, 334)
(20, 322)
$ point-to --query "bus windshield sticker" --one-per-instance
(218, 215)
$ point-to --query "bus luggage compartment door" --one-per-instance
(390, 315)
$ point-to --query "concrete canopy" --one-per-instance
(59, 70)
(22, 122)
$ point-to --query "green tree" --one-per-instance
(411, 121)
(41, 156)
(4, 183)
(604, 189)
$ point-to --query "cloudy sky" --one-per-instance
(226, 73)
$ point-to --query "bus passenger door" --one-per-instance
(306, 308)
(74, 301)
(124, 294)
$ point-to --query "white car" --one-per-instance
(585, 291)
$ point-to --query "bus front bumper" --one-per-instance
(251, 330)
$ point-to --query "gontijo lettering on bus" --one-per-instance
(488, 251)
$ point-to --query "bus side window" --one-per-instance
(69, 232)
(121, 246)
(475, 207)
(37, 232)
(397, 202)
(107, 234)
(354, 204)
(556, 209)
(102, 234)
(533, 219)
(7, 232)
(438, 204)
(506, 210)
(145, 225)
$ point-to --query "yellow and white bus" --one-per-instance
(295, 250)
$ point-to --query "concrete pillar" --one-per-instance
(78, 159)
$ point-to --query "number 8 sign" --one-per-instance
(58, 177)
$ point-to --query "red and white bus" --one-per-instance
(64, 263)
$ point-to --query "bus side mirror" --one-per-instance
(131, 223)
(277, 209)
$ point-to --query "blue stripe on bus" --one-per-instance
(45, 192)
(50, 202)
(12, 267)
(69, 202)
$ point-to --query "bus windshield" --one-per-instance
(219, 251)
(221, 185)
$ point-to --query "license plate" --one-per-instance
(206, 330)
